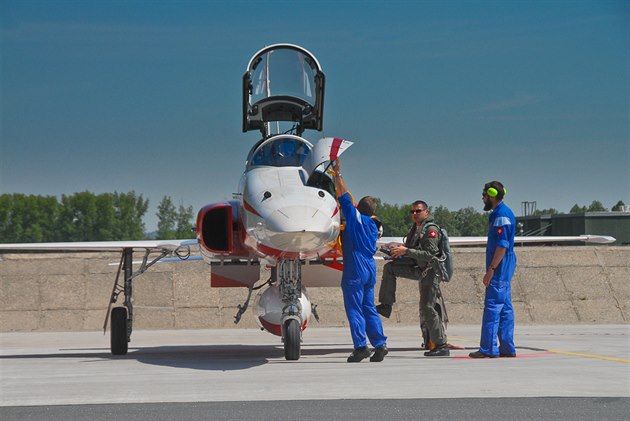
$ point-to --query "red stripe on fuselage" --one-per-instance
(335, 265)
(276, 329)
(250, 208)
(334, 149)
(218, 281)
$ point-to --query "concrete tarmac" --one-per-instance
(580, 366)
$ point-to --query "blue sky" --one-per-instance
(438, 96)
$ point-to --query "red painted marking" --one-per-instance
(335, 265)
(250, 208)
(273, 252)
(218, 281)
(275, 328)
(271, 327)
(335, 212)
(334, 149)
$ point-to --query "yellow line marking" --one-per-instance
(462, 339)
(599, 357)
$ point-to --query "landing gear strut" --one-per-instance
(122, 317)
(289, 274)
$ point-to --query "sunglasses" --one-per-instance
(415, 211)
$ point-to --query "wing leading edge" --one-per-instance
(102, 245)
(472, 241)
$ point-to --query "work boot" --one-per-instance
(438, 351)
(479, 354)
(359, 354)
(379, 354)
(384, 310)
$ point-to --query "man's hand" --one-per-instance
(487, 277)
(340, 185)
(336, 166)
(398, 251)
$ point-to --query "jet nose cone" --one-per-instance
(300, 228)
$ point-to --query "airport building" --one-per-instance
(615, 224)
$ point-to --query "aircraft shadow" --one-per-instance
(209, 357)
(198, 357)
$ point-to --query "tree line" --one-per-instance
(595, 206)
(86, 216)
(115, 216)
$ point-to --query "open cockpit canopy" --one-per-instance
(283, 82)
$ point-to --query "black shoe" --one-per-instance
(359, 354)
(441, 351)
(379, 354)
(479, 354)
(507, 355)
(384, 310)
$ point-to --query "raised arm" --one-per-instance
(340, 185)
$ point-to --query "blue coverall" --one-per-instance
(498, 313)
(359, 276)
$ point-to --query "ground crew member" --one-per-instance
(413, 260)
(359, 272)
(498, 314)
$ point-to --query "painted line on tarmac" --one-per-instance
(518, 356)
(599, 357)
(542, 351)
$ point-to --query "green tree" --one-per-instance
(167, 218)
(471, 222)
(618, 207)
(446, 219)
(129, 210)
(106, 222)
(596, 206)
(184, 222)
(174, 223)
(550, 211)
(79, 217)
(395, 218)
(577, 209)
(28, 218)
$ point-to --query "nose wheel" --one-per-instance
(292, 340)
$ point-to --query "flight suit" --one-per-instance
(498, 313)
(421, 250)
(359, 276)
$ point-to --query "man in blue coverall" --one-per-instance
(498, 314)
(359, 273)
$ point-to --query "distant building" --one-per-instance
(615, 224)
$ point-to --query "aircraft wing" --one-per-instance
(471, 241)
(171, 245)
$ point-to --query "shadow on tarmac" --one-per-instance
(213, 357)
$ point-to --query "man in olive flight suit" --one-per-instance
(413, 260)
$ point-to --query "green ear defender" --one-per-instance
(492, 192)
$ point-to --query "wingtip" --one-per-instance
(598, 239)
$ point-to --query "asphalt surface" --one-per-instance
(560, 372)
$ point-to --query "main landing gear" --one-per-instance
(122, 317)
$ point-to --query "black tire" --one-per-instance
(118, 331)
(292, 340)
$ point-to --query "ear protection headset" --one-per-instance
(492, 192)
